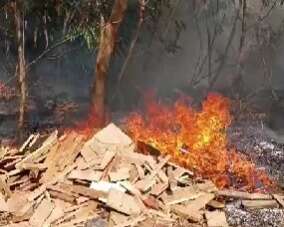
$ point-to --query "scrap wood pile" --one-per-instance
(67, 181)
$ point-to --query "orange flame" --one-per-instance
(90, 125)
(196, 140)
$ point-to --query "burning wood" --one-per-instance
(196, 140)
(104, 178)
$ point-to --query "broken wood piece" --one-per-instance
(25, 212)
(33, 166)
(111, 134)
(151, 202)
(80, 215)
(132, 222)
(123, 202)
(180, 170)
(258, 204)
(4, 187)
(3, 204)
(84, 191)
(117, 218)
(16, 201)
(89, 154)
(193, 215)
(280, 199)
(41, 213)
(207, 186)
(81, 163)
(216, 219)
(43, 150)
(40, 190)
(243, 195)
(34, 140)
(56, 213)
(108, 157)
(88, 175)
(216, 204)
(62, 157)
(119, 175)
(64, 197)
(145, 184)
(21, 224)
(26, 143)
(200, 202)
(182, 195)
(148, 182)
(159, 188)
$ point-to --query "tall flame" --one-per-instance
(196, 140)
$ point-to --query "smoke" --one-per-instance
(172, 64)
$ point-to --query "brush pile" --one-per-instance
(69, 181)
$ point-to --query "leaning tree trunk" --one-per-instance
(21, 67)
(108, 36)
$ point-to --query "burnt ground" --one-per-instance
(252, 138)
(257, 141)
(238, 216)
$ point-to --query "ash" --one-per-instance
(252, 138)
(236, 216)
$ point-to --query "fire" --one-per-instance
(90, 125)
(196, 140)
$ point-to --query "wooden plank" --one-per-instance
(118, 218)
(216, 204)
(258, 204)
(244, 195)
(200, 202)
(88, 175)
(123, 202)
(26, 143)
(21, 224)
(108, 157)
(120, 174)
(111, 134)
(62, 196)
(216, 219)
(41, 213)
(182, 195)
(84, 191)
(33, 166)
(88, 153)
(36, 137)
(148, 182)
(17, 201)
(193, 215)
(43, 150)
(159, 188)
(207, 186)
(63, 157)
(4, 187)
(39, 191)
(280, 199)
(80, 214)
(3, 205)
(56, 213)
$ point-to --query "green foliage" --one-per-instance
(89, 34)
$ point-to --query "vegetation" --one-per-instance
(32, 29)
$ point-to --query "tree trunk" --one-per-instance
(21, 67)
(108, 36)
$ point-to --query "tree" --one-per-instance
(108, 35)
(58, 22)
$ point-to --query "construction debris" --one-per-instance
(68, 181)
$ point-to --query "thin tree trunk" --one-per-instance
(21, 67)
(108, 36)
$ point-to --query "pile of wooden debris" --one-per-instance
(67, 181)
